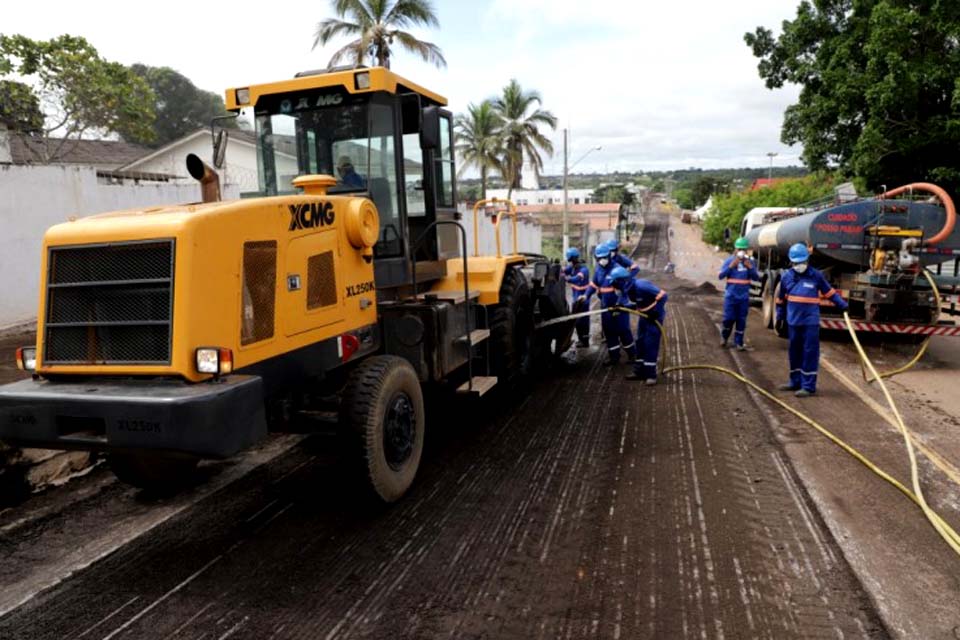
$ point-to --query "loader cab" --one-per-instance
(390, 141)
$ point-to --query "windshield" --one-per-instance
(348, 137)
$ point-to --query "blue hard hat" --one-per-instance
(619, 273)
(573, 254)
(799, 253)
(613, 243)
(602, 251)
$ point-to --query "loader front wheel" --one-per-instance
(511, 330)
(382, 423)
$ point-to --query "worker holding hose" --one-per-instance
(801, 289)
(615, 324)
(738, 270)
(619, 259)
(648, 299)
(578, 276)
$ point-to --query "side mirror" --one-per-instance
(430, 128)
(220, 148)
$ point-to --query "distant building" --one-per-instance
(20, 149)
(762, 183)
(534, 197)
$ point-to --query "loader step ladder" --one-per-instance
(476, 336)
(478, 385)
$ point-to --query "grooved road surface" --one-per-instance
(592, 507)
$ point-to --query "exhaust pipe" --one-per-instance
(207, 176)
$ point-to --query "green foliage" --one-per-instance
(609, 193)
(20, 108)
(684, 198)
(181, 107)
(79, 91)
(376, 24)
(880, 91)
(729, 209)
(480, 142)
(521, 116)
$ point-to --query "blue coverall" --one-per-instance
(625, 262)
(616, 325)
(578, 277)
(736, 299)
(800, 296)
(649, 299)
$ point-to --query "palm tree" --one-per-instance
(479, 142)
(521, 131)
(377, 24)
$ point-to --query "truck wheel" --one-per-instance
(780, 328)
(382, 421)
(768, 300)
(511, 330)
(162, 475)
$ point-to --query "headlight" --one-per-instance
(362, 80)
(243, 96)
(27, 358)
(214, 360)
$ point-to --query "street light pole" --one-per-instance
(771, 154)
(566, 171)
(566, 230)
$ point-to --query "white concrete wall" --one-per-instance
(33, 198)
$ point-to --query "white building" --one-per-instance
(523, 197)
(240, 162)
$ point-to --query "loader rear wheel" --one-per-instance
(382, 423)
(157, 474)
(511, 330)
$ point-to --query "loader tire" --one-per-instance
(511, 331)
(155, 474)
(382, 425)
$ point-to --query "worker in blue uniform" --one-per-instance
(577, 276)
(738, 270)
(650, 300)
(615, 324)
(620, 259)
(801, 290)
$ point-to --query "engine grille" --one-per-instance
(110, 304)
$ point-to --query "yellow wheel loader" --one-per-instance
(170, 334)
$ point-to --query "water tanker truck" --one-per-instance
(883, 254)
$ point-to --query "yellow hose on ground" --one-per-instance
(949, 535)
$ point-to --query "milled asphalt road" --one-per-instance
(591, 507)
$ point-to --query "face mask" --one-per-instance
(604, 261)
(800, 268)
(741, 254)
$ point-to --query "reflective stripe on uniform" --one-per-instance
(607, 289)
(828, 294)
(577, 287)
(803, 300)
(737, 281)
(661, 294)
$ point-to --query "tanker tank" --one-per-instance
(839, 233)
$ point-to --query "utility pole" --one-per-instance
(566, 230)
(771, 154)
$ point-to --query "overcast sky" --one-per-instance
(660, 85)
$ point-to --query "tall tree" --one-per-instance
(376, 25)
(79, 92)
(880, 85)
(181, 107)
(479, 141)
(522, 118)
(20, 108)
